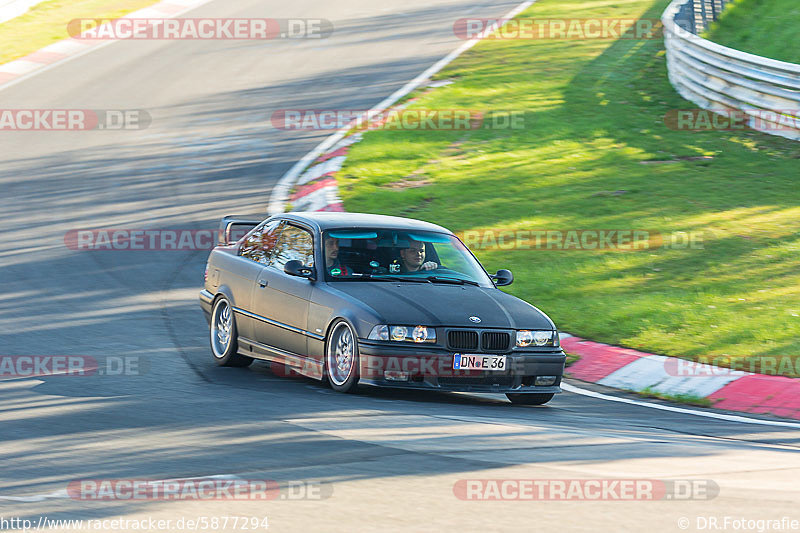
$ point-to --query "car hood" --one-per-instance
(445, 305)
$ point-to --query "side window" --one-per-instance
(259, 245)
(295, 243)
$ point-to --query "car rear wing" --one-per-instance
(234, 227)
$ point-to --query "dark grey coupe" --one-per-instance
(374, 300)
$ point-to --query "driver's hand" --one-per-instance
(430, 265)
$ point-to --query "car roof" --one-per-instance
(326, 220)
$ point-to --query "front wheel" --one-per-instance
(224, 345)
(529, 399)
(341, 358)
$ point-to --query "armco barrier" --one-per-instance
(722, 79)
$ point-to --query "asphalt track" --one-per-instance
(391, 459)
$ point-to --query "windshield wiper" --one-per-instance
(397, 278)
(428, 279)
(382, 277)
(455, 281)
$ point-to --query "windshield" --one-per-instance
(367, 254)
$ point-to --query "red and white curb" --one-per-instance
(315, 189)
(15, 71)
(623, 368)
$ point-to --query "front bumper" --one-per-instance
(431, 368)
(206, 298)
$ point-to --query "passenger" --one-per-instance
(412, 259)
(332, 264)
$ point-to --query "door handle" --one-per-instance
(262, 283)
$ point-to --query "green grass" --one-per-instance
(769, 28)
(594, 123)
(46, 23)
(571, 359)
(687, 399)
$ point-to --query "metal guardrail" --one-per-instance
(696, 15)
(725, 80)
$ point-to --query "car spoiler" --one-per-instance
(234, 227)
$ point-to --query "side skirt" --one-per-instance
(299, 363)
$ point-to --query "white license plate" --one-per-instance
(469, 361)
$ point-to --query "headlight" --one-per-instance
(540, 338)
(384, 332)
(524, 338)
(536, 338)
(399, 333)
(421, 333)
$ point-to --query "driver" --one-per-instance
(412, 259)
(332, 264)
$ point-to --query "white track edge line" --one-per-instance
(731, 418)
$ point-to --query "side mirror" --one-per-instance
(503, 277)
(296, 268)
(233, 227)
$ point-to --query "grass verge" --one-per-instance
(46, 23)
(769, 28)
(571, 359)
(687, 399)
(595, 153)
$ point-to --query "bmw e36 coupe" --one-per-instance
(359, 299)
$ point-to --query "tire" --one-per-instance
(530, 399)
(341, 358)
(223, 335)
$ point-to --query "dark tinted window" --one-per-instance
(358, 253)
(295, 243)
(259, 245)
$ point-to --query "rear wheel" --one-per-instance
(529, 399)
(341, 358)
(223, 331)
